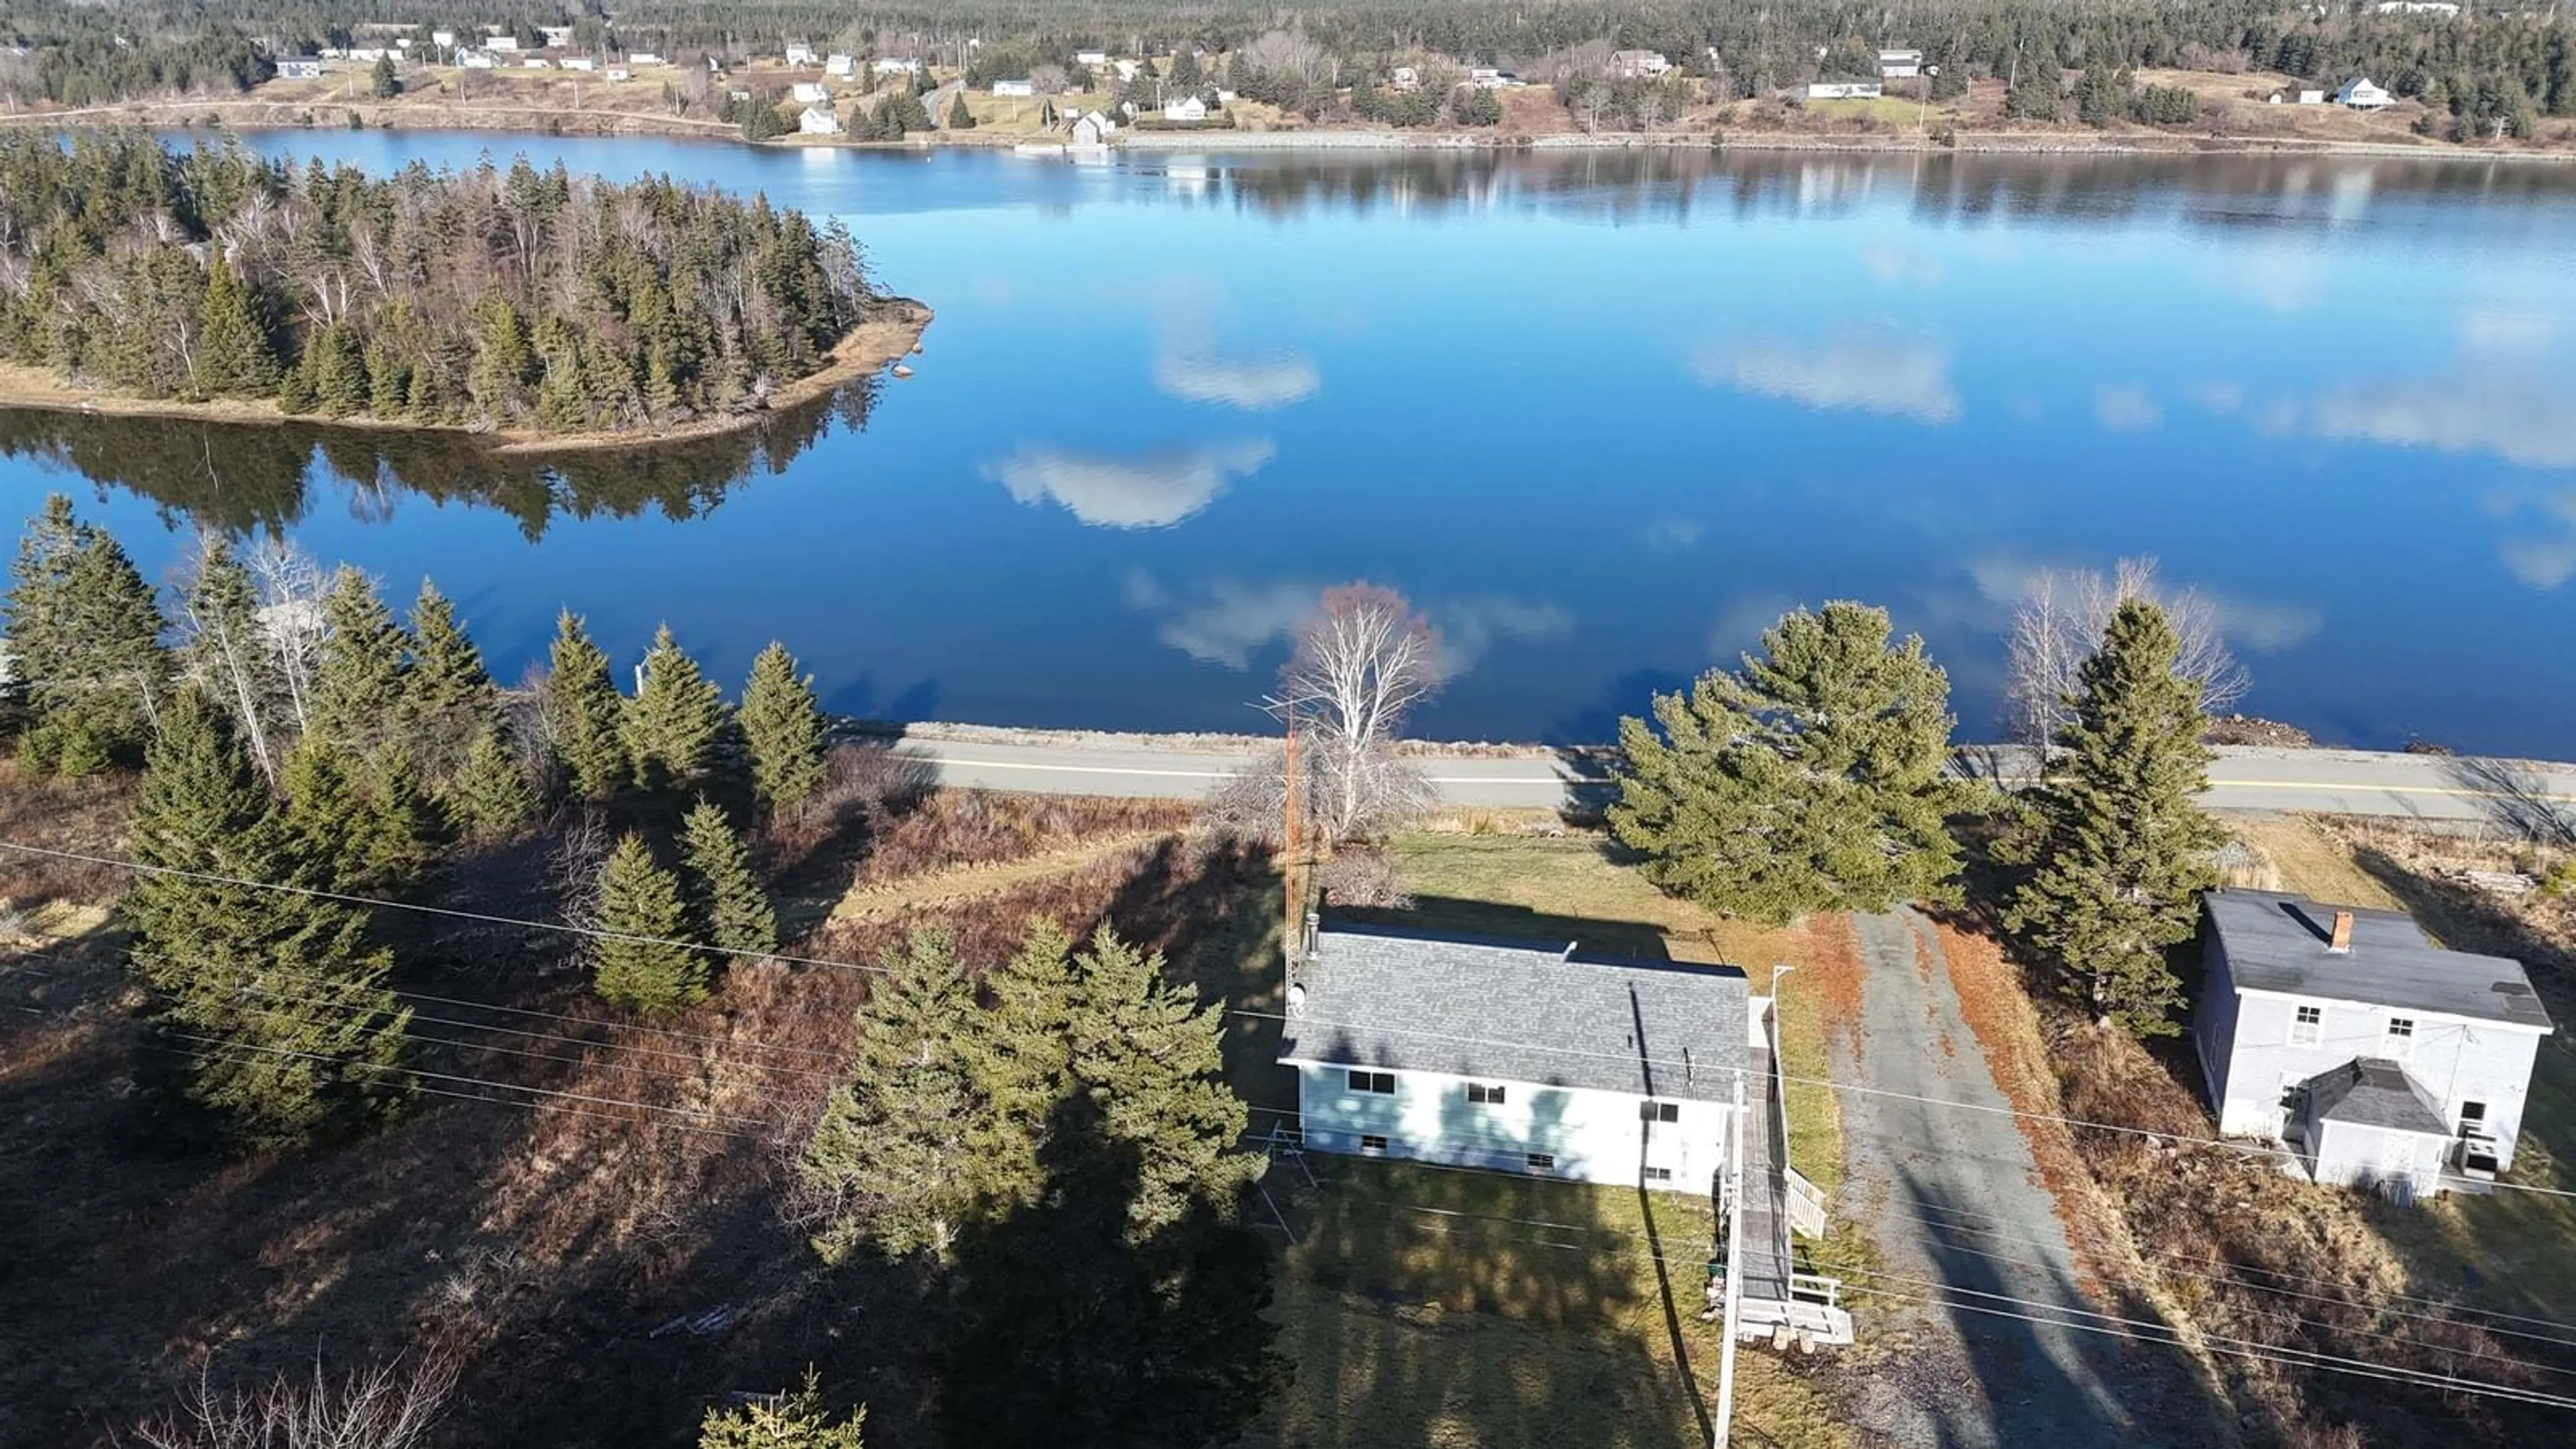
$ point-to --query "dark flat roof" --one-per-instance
(1518, 1011)
(2375, 1092)
(2277, 942)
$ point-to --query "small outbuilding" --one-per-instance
(299, 69)
(1015, 88)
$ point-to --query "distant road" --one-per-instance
(2524, 796)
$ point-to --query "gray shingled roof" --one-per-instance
(2373, 1092)
(2277, 942)
(1518, 1011)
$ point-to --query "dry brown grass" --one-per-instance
(80, 815)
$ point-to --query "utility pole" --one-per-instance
(1289, 843)
(1734, 1272)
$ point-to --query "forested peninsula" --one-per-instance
(538, 305)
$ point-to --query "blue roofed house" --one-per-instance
(2378, 1058)
(1516, 1056)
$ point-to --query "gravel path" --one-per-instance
(1945, 1376)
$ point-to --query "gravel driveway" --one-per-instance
(1949, 1195)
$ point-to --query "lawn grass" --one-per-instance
(1901, 112)
(1448, 1307)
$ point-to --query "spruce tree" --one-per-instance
(328, 813)
(782, 727)
(727, 905)
(1151, 1057)
(890, 1157)
(234, 358)
(404, 823)
(1811, 779)
(583, 712)
(448, 696)
(276, 995)
(672, 724)
(358, 683)
(84, 637)
(1023, 1060)
(786, 1421)
(960, 118)
(2120, 857)
(489, 796)
(644, 962)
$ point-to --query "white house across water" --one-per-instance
(1516, 1056)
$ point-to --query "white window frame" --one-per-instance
(1485, 1094)
(2399, 1045)
(2307, 1033)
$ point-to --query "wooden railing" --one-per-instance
(1806, 1205)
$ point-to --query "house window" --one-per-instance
(1659, 1174)
(2473, 1119)
(1485, 1094)
(2401, 1036)
(1659, 1111)
(2308, 1026)
(1373, 1146)
(1382, 1083)
(1542, 1162)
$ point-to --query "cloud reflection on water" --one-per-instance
(1253, 383)
(1152, 490)
(1890, 376)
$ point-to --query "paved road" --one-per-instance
(2526, 797)
(1949, 1197)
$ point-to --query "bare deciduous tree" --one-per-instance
(291, 586)
(386, 1406)
(229, 660)
(2058, 623)
(1363, 659)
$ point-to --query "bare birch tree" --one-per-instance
(1363, 660)
(393, 1405)
(291, 586)
(220, 646)
(2058, 623)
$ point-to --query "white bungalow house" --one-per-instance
(641, 58)
(1845, 90)
(556, 36)
(837, 66)
(368, 54)
(1091, 57)
(809, 93)
(580, 62)
(1187, 108)
(476, 60)
(894, 65)
(300, 68)
(2361, 95)
(799, 53)
(818, 121)
(443, 39)
(2379, 1059)
(1492, 78)
(1405, 78)
(620, 73)
(1127, 69)
(1899, 64)
(500, 42)
(1638, 64)
(1516, 1056)
(536, 62)
(1014, 88)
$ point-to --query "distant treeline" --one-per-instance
(519, 298)
(2491, 55)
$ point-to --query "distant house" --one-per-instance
(620, 73)
(891, 65)
(2378, 1058)
(1091, 57)
(809, 93)
(536, 62)
(1521, 1057)
(1844, 90)
(2361, 95)
(799, 53)
(840, 67)
(1899, 64)
(641, 58)
(300, 68)
(579, 62)
(368, 54)
(1492, 78)
(1094, 129)
(1638, 64)
(1014, 88)
(1127, 69)
(1187, 108)
(2417, 7)
(443, 39)
(557, 37)
(1405, 78)
(476, 59)
(501, 42)
(2312, 97)
(818, 121)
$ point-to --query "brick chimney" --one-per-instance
(2340, 943)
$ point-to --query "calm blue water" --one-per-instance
(1602, 417)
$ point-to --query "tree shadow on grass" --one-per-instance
(1639, 940)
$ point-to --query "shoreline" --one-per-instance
(275, 115)
(872, 345)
